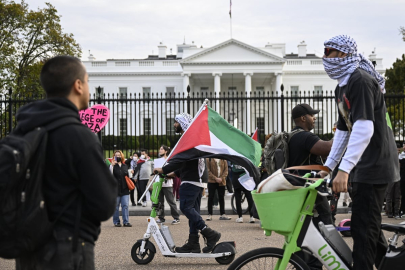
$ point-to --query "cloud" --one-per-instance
(132, 29)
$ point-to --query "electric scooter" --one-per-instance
(143, 251)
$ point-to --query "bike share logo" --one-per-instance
(327, 257)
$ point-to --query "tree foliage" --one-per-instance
(395, 77)
(402, 31)
(27, 39)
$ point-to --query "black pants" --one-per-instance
(58, 254)
(229, 186)
(369, 244)
(402, 186)
(142, 187)
(393, 199)
(212, 187)
(238, 200)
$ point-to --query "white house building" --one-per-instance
(229, 66)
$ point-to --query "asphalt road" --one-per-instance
(113, 248)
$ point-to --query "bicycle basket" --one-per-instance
(279, 211)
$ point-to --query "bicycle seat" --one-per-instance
(397, 228)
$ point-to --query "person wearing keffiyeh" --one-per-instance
(194, 178)
(365, 133)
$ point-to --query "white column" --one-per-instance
(186, 82)
(248, 89)
(279, 81)
(217, 88)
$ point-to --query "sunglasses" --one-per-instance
(327, 51)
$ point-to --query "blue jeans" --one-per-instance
(124, 201)
(190, 201)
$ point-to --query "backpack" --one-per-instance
(276, 153)
(24, 222)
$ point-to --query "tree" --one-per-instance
(402, 31)
(27, 39)
(395, 77)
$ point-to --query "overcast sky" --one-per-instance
(127, 29)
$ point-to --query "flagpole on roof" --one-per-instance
(230, 15)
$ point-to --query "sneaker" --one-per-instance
(117, 225)
(209, 218)
(252, 220)
(133, 204)
(160, 220)
(215, 206)
(344, 204)
(397, 217)
(239, 220)
(127, 225)
(176, 221)
(224, 217)
(229, 194)
(139, 204)
(390, 216)
(350, 204)
(144, 204)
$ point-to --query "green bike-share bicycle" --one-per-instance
(289, 213)
(143, 251)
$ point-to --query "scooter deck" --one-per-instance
(198, 255)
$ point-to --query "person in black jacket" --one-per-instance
(119, 169)
(77, 173)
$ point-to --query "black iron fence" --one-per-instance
(139, 121)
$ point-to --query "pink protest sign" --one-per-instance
(95, 117)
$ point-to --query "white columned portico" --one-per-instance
(217, 88)
(248, 89)
(186, 82)
(279, 82)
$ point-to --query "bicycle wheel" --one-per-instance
(244, 204)
(266, 258)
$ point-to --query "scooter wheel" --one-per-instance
(144, 258)
(225, 260)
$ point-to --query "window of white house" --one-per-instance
(260, 124)
(169, 126)
(318, 125)
(146, 93)
(295, 91)
(101, 95)
(122, 91)
(260, 88)
(123, 126)
(232, 91)
(318, 91)
(147, 126)
(170, 94)
(204, 91)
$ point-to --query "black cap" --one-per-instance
(303, 109)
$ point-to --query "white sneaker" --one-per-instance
(224, 217)
(229, 194)
(209, 218)
(144, 204)
(252, 220)
(239, 220)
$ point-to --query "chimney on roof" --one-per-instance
(302, 49)
(91, 57)
(162, 50)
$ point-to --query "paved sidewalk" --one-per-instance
(145, 211)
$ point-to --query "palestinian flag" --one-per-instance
(210, 136)
(255, 135)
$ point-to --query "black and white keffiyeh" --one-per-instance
(184, 119)
(342, 68)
